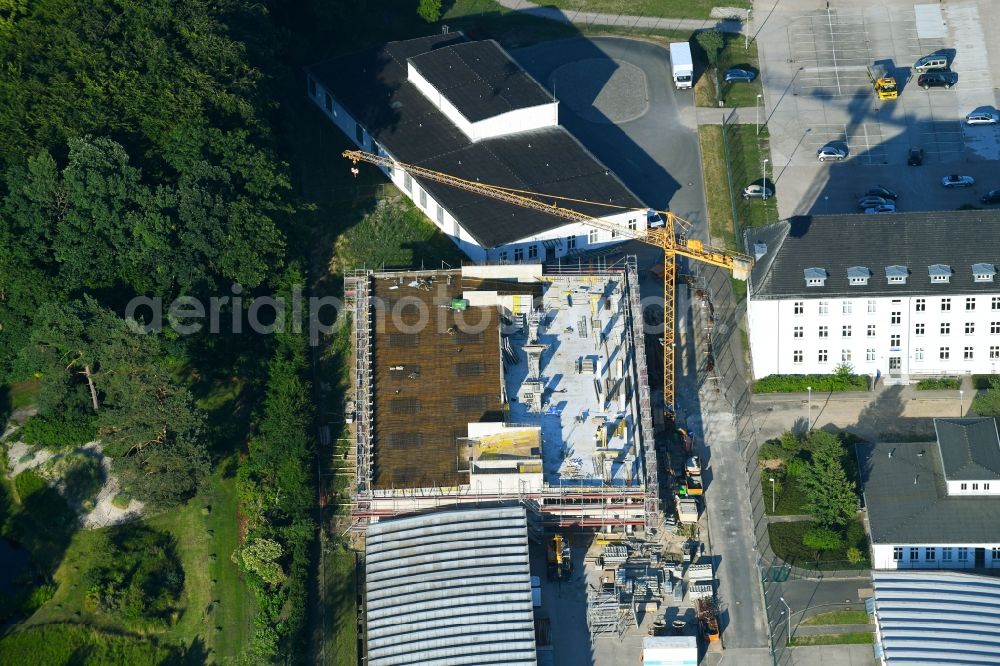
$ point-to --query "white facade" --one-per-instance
(517, 120)
(546, 246)
(936, 556)
(893, 336)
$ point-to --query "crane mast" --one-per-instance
(670, 238)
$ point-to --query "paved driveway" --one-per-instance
(817, 90)
(617, 98)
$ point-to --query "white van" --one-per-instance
(931, 63)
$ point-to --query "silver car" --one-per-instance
(830, 152)
(757, 192)
(887, 207)
(982, 118)
(870, 202)
(956, 180)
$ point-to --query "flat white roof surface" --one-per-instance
(451, 587)
(937, 617)
(573, 451)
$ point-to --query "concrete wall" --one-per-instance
(883, 556)
(774, 325)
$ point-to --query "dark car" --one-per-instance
(737, 74)
(944, 79)
(991, 197)
(884, 192)
(916, 157)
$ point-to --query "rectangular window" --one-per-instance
(975, 486)
(570, 242)
(944, 353)
(440, 215)
(871, 330)
(503, 256)
(914, 553)
(845, 331)
(970, 303)
(847, 307)
(963, 486)
(869, 354)
(970, 328)
(797, 356)
(986, 486)
(995, 303)
(845, 355)
(921, 304)
(518, 254)
(894, 340)
(312, 85)
(615, 233)
(995, 327)
(824, 307)
(799, 307)
(918, 329)
(918, 354)
(328, 102)
(822, 356)
(945, 304)
(995, 551)
(994, 352)
(967, 354)
(946, 553)
(631, 224)
(592, 236)
(871, 307)
(963, 553)
(423, 199)
(945, 328)
(897, 553)
(797, 332)
(532, 252)
(824, 331)
(407, 182)
(897, 317)
(930, 553)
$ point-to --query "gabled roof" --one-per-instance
(958, 239)
(480, 79)
(970, 448)
(373, 87)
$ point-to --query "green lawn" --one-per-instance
(213, 594)
(341, 611)
(734, 95)
(853, 638)
(664, 8)
(786, 542)
(717, 192)
(61, 644)
(839, 617)
(745, 152)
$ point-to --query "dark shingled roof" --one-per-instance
(372, 86)
(970, 448)
(957, 239)
(480, 79)
(907, 500)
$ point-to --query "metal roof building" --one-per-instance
(450, 587)
(936, 617)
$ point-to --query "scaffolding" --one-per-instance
(357, 290)
(605, 615)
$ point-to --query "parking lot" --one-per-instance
(817, 90)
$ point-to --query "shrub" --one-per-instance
(939, 384)
(59, 431)
(983, 382)
(821, 538)
(855, 556)
(121, 500)
(794, 467)
(818, 383)
(772, 450)
(27, 483)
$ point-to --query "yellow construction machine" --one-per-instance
(883, 81)
(559, 559)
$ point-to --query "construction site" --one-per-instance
(504, 383)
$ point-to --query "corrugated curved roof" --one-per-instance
(452, 587)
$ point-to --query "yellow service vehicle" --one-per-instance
(883, 81)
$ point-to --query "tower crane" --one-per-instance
(669, 238)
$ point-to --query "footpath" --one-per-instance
(621, 20)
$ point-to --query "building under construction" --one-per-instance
(504, 383)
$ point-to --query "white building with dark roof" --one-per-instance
(903, 295)
(467, 109)
(935, 504)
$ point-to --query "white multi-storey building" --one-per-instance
(898, 295)
(935, 504)
(466, 109)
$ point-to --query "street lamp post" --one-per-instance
(746, 32)
(809, 411)
(763, 172)
(772, 493)
(756, 108)
(961, 403)
(788, 638)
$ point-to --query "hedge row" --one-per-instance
(819, 383)
(939, 384)
(983, 382)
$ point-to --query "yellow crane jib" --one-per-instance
(671, 238)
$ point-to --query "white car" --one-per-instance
(982, 117)
(887, 207)
(654, 220)
(829, 152)
(955, 180)
(757, 192)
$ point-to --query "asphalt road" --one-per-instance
(617, 99)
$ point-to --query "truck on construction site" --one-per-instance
(682, 65)
(692, 479)
(560, 564)
(707, 619)
(883, 81)
(687, 509)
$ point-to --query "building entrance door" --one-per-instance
(980, 558)
(895, 363)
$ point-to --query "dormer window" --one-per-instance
(983, 272)
(939, 273)
(896, 274)
(815, 277)
(858, 275)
